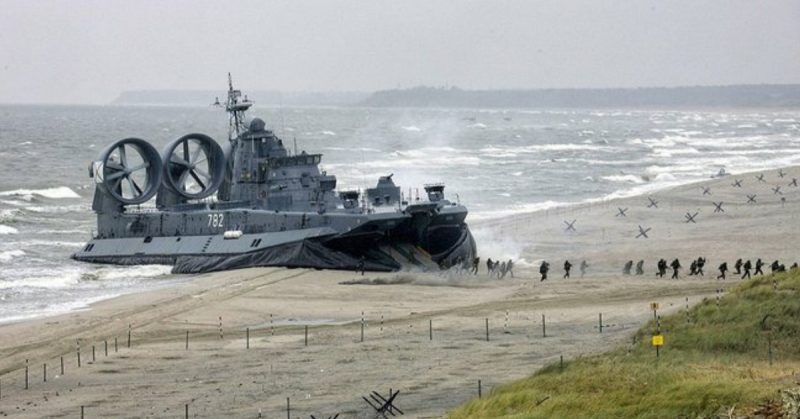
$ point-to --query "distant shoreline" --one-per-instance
(732, 96)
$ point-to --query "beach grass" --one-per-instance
(716, 364)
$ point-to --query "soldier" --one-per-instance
(489, 266)
(640, 267)
(361, 265)
(738, 266)
(626, 270)
(775, 266)
(675, 266)
(701, 262)
(747, 266)
(567, 267)
(476, 262)
(584, 265)
(510, 268)
(693, 268)
(502, 273)
(722, 269)
(759, 264)
(794, 266)
(496, 268)
(543, 268)
(662, 268)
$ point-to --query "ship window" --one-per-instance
(178, 239)
(148, 239)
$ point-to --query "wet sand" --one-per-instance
(157, 376)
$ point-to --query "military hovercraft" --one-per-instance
(253, 203)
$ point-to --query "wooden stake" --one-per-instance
(306, 336)
(62, 365)
(487, 329)
(105, 347)
(44, 372)
(129, 335)
(187, 340)
(544, 327)
(26, 374)
(248, 337)
(601, 322)
(479, 389)
(430, 329)
(115, 344)
(288, 409)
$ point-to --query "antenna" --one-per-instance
(236, 110)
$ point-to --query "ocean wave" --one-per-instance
(411, 128)
(9, 215)
(636, 179)
(57, 209)
(61, 192)
(11, 254)
(329, 133)
(480, 216)
(5, 230)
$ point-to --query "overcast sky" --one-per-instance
(89, 51)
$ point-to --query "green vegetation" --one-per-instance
(717, 363)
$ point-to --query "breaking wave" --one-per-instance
(61, 192)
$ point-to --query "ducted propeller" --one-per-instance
(129, 171)
(193, 166)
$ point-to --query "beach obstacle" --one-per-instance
(793, 182)
(690, 218)
(718, 207)
(643, 232)
(570, 225)
(760, 178)
(706, 190)
(777, 190)
(653, 203)
(383, 405)
(781, 173)
(336, 416)
(737, 183)
(621, 212)
(751, 199)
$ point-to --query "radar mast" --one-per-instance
(236, 108)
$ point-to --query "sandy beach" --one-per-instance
(424, 335)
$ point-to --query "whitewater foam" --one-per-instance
(61, 192)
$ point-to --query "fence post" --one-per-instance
(248, 337)
(544, 327)
(430, 328)
(479, 389)
(129, 335)
(487, 329)
(62, 365)
(601, 322)
(26, 374)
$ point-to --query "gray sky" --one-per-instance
(88, 51)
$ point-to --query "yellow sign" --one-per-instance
(658, 340)
(654, 306)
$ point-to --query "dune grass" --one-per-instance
(716, 363)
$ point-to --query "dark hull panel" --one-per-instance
(452, 243)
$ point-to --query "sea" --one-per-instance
(496, 162)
